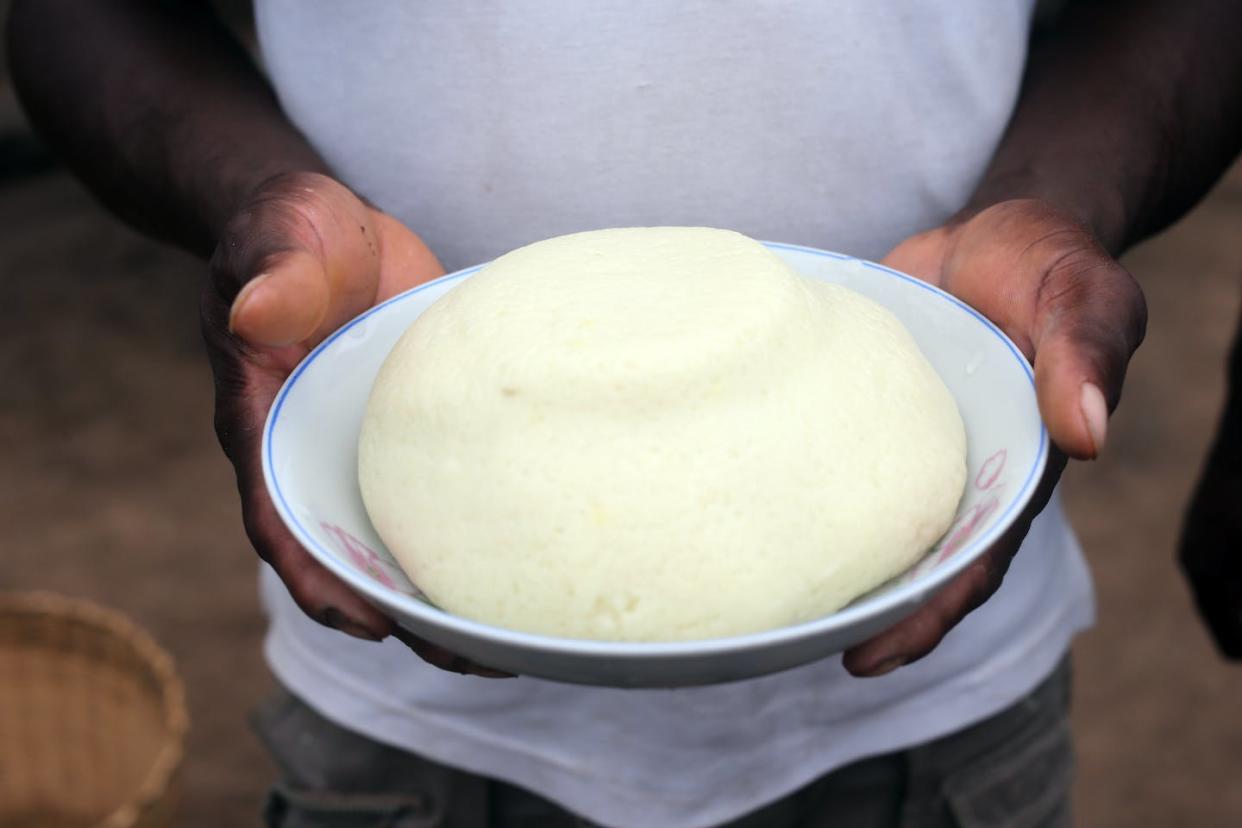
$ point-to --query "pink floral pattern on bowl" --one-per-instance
(986, 490)
(378, 564)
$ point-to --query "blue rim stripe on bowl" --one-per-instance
(673, 649)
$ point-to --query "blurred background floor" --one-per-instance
(114, 489)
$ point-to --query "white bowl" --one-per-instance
(310, 455)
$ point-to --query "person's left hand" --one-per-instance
(1076, 314)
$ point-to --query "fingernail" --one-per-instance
(1095, 413)
(335, 619)
(243, 296)
(887, 666)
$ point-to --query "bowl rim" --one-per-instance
(868, 607)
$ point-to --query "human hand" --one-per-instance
(300, 258)
(1046, 281)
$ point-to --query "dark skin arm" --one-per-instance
(161, 112)
(156, 107)
(1130, 112)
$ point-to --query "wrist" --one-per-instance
(226, 189)
(1101, 210)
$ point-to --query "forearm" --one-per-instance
(156, 107)
(1130, 112)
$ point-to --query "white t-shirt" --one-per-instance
(487, 125)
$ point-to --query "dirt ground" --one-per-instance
(113, 488)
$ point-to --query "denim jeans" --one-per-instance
(1013, 770)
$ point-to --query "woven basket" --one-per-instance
(92, 718)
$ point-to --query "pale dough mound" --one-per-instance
(653, 434)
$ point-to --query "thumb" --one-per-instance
(284, 303)
(300, 259)
(1090, 317)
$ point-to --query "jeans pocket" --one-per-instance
(288, 807)
(1025, 786)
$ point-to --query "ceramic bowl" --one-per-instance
(310, 452)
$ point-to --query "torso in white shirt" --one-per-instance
(487, 125)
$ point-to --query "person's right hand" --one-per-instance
(303, 256)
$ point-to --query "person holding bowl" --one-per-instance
(382, 143)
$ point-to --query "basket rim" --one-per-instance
(167, 761)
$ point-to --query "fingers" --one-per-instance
(916, 636)
(443, 659)
(921, 255)
(406, 261)
(299, 260)
(323, 596)
(318, 592)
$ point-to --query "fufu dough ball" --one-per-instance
(654, 434)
